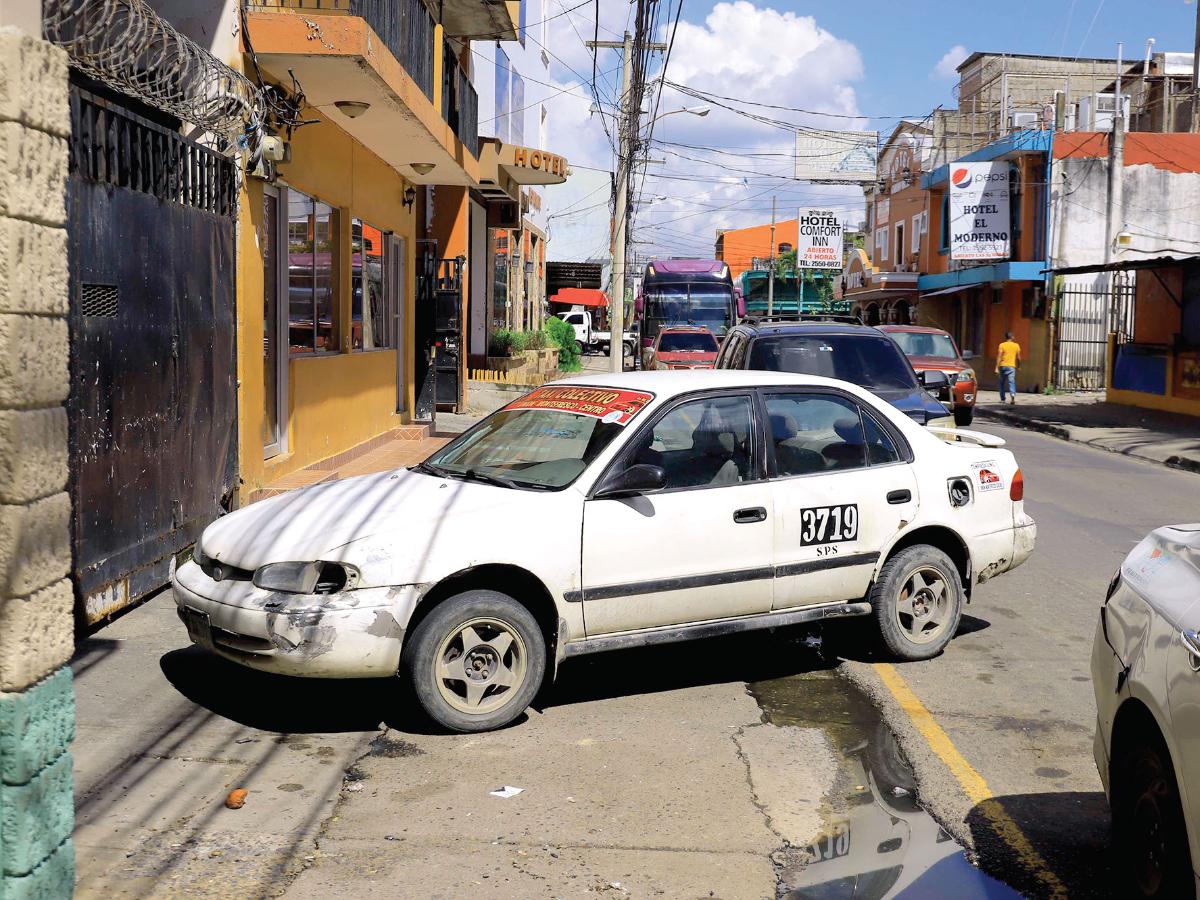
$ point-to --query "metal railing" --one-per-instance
(460, 102)
(404, 26)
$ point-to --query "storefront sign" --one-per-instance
(819, 245)
(979, 215)
(883, 211)
(539, 161)
(609, 405)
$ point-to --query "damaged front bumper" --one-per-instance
(352, 634)
(1004, 550)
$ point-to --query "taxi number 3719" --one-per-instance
(828, 524)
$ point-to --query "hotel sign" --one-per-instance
(539, 161)
(979, 211)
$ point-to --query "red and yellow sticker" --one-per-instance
(610, 405)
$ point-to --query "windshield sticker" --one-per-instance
(609, 405)
(987, 476)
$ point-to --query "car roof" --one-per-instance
(670, 383)
(773, 328)
(916, 329)
(687, 328)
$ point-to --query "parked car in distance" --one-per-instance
(682, 347)
(590, 338)
(1146, 676)
(637, 509)
(932, 349)
(838, 347)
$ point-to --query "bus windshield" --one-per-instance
(710, 305)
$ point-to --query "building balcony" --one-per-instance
(420, 107)
(497, 20)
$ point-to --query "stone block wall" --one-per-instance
(37, 707)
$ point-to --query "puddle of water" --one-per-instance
(879, 842)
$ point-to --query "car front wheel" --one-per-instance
(917, 602)
(477, 661)
(963, 415)
(1148, 825)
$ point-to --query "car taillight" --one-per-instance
(1016, 490)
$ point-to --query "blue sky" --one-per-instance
(839, 57)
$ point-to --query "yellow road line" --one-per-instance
(972, 783)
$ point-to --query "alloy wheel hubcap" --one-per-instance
(924, 605)
(480, 665)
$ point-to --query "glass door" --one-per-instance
(271, 235)
(396, 273)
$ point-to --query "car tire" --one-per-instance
(1149, 831)
(476, 661)
(579, 346)
(964, 415)
(917, 602)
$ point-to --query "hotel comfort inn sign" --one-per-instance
(979, 217)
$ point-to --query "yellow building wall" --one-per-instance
(336, 401)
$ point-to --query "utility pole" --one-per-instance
(628, 126)
(1116, 171)
(771, 275)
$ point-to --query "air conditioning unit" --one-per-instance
(1022, 121)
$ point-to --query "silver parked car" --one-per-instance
(1146, 674)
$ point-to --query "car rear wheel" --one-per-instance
(477, 661)
(1148, 825)
(917, 602)
(964, 415)
(579, 346)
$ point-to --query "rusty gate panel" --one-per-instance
(152, 407)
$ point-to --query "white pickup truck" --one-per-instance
(589, 338)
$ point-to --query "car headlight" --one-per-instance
(966, 375)
(306, 577)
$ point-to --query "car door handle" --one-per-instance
(901, 496)
(1191, 640)
(749, 515)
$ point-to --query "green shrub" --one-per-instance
(506, 342)
(535, 340)
(562, 336)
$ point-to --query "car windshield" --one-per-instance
(542, 441)
(871, 361)
(687, 342)
(917, 343)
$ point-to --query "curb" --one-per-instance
(1180, 463)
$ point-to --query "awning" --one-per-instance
(949, 290)
(1123, 265)
(880, 294)
(580, 297)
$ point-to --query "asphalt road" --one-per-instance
(1012, 694)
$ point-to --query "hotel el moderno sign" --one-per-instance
(979, 216)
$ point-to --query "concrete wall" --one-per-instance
(37, 712)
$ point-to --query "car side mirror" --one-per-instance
(642, 478)
(934, 380)
(968, 354)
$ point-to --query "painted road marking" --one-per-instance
(972, 783)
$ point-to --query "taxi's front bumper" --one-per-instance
(354, 634)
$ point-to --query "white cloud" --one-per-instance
(947, 66)
(795, 63)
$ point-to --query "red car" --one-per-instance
(683, 347)
(932, 348)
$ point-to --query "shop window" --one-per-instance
(312, 239)
(944, 239)
(371, 308)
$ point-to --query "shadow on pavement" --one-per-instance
(1067, 830)
(276, 702)
(646, 670)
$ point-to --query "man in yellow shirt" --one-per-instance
(1008, 360)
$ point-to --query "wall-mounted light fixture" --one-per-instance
(410, 196)
(423, 168)
(352, 109)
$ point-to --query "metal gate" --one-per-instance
(1085, 317)
(153, 402)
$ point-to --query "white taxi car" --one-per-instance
(607, 512)
(1146, 675)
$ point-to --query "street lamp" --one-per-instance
(700, 111)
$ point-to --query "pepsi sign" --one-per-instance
(979, 211)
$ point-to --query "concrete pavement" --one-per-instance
(1085, 418)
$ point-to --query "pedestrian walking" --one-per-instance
(1008, 360)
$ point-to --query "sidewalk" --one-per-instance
(1166, 438)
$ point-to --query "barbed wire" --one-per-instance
(126, 45)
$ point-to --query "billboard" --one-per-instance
(819, 239)
(836, 157)
(979, 217)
